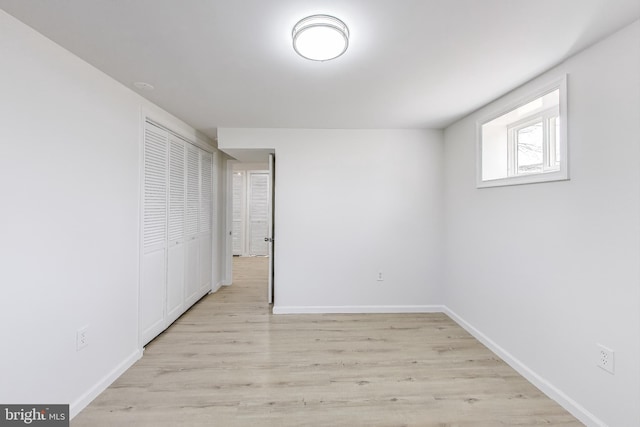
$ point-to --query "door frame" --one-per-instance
(271, 227)
(229, 169)
(247, 210)
(228, 212)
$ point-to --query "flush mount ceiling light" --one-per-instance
(320, 37)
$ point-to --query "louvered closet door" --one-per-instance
(154, 232)
(238, 213)
(258, 213)
(206, 219)
(176, 229)
(191, 224)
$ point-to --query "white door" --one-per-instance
(154, 233)
(258, 213)
(175, 265)
(191, 225)
(270, 227)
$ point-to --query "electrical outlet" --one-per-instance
(380, 276)
(605, 358)
(82, 338)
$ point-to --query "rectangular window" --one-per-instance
(525, 143)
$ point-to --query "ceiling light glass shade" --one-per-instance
(320, 37)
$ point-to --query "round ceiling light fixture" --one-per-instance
(320, 37)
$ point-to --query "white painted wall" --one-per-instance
(350, 203)
(69, 178)
(262, 166)
(585, 231)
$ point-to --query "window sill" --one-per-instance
(524, 179)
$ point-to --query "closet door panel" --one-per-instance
(205, 263)
(175, 282)
(152, 295)
(155, 188)
(176, 226)
(191, 271)
(177, 190)
(193, 190)
(192, 284)
(154, 233)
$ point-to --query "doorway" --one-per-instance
(250, 211)
(250, 222)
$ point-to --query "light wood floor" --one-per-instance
(229, 362)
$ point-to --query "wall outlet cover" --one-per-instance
(82, 338)
(606, 359)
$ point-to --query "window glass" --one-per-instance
(526, 143)
(529, 148)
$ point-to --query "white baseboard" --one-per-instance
(542, 384)
(357, 309)
(106, 381)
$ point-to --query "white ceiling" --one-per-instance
(410, 64)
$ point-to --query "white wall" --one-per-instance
(251, 166)
(546, 271)
(350, 203)
(69, 179)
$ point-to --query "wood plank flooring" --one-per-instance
(229, 362)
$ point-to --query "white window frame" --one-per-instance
(548, 143)
(547, 174)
